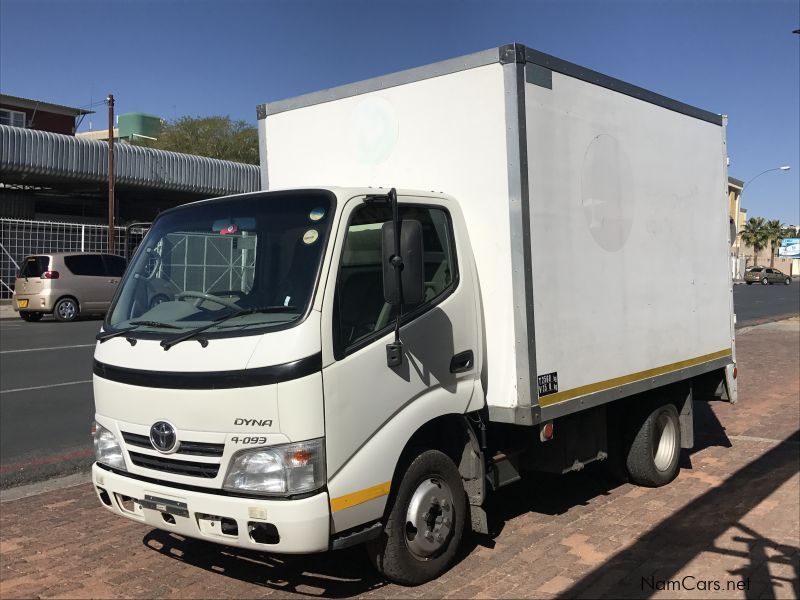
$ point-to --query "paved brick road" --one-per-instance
(731, 518)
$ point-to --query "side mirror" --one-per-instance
(413, 272)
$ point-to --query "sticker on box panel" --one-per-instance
(310, 236)
(316, 214)
(548, 384)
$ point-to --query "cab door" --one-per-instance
(364, 398)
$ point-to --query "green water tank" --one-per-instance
(139, 124)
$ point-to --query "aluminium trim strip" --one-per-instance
(444, 67)
(509, 53)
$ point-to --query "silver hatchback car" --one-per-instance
(66, 284)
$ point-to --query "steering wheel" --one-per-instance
(203, 296)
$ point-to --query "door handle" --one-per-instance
(461, 362)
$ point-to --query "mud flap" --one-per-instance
(731, 389)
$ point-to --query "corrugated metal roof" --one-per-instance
(40, 153)
(31, 103)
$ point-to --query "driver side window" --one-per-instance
(360, 313)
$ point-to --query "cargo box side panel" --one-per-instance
(446, 133)
(629, 242)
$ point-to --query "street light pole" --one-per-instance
(749, 181)
(110, 242)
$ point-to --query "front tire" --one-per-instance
(788, 281)
(425, 525)
(654, 454)
(66, 310)
(30, 317)
(765, 281)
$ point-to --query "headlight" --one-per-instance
(280, 470)
(106, 448)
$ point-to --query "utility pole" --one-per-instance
(110, 245)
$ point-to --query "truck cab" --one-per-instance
(255, 406)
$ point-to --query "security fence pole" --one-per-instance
(110, 244)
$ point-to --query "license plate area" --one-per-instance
(172, 507)
(23, 303)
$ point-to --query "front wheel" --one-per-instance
(425, 525)
(788, 281)
(765, 281)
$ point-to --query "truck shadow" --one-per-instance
(340, 574)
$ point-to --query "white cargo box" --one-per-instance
(597, 213)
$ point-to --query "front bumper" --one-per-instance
(303, 525)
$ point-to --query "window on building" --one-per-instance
(12, 117)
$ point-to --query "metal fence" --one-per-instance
(20, 238)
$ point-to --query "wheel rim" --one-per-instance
(764, 282)
(429, 519)
(66, 310)
(664, 447)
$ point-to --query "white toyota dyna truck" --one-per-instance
(456, 275)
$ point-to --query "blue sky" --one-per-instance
(174, 58)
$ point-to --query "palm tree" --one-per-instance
(754, 234)
(774, 235)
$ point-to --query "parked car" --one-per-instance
(66, 284)
(766, 276)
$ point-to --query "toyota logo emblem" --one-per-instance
(163, 437)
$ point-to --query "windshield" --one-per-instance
(206, 261)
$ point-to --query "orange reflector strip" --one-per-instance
(360, 496)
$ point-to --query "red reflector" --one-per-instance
(735, 372)
(50, 275)
(548, 431)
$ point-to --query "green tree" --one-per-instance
(754, 234)
(214, 137)
(774, 234)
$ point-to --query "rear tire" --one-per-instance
(654, 454)
(425, 525)
(66, 310)
(31, 317)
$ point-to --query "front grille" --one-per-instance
(178, 467)
(191, 448)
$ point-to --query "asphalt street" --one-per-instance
(46, 402)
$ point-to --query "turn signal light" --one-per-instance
(50, 275)
(735, 372)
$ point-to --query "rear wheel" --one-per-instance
(425, 525)
(66, 310)
(31, 317)
(653, 456)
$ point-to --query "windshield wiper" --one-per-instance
(107, 335)
(170, 342)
